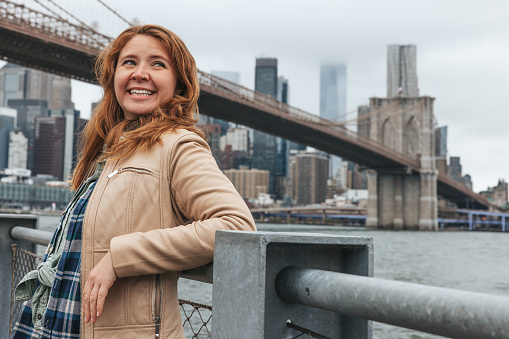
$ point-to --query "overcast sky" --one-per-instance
(462, 56)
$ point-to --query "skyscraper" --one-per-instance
(454, 169)
(17, 82)
(49, 146)
(73, 127)
(309, 177)
(264, 145)
(18, 147)
(402, 71)
(441, 141)
(55, 146)
(282, 89)
(266, 76)
(7, 123)
(61, 93)
(28, 109)
(333, 103)
(333, 92)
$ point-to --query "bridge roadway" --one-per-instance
(34, 40)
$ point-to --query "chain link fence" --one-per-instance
(196, 317)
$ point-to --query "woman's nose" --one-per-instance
(140, 74)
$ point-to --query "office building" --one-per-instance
(249, 182)
(56, 143)
(213, 133)
(467, 180)
(333, 104)
(7, 123)
(333, 92)
(352, 176)
(308, 177)
(282, 89)
(49, 145)
(402, 71)
(237, 137)
(74, 125)
(266, 76)
(18, 82)
(27, 110)
(441, 142)
(265, 145)
(441, 164)
(18, 150)
(454, 169)
(62, 92)
(264, 155)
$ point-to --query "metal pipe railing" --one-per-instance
(441, 311)
(31, 235)
(203, 273)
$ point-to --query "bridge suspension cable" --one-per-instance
(66, 12)
(116, 13)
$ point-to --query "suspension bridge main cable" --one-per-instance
(114, 12)
(70, 14)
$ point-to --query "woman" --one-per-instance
(149, 200)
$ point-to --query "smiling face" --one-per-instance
(144, 76)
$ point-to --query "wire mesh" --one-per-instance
(23, 262)
(195, 317)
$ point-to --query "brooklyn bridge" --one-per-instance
(398, 150)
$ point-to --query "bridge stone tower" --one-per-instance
(399, 198)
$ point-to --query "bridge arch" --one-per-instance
(389, 134)
(411, 138)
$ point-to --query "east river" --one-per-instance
(472, 261)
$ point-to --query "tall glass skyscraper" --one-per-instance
(402, 71)
(333, 102)
(7, 123)
(265, 145)
(333, 92)
(266, 76)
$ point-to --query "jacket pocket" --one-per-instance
(130, 203)
(129, 303)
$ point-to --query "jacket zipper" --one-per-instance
(118, 170)
(157, 305)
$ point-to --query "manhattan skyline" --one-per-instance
(461, 58)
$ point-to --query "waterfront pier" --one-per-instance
(270, 285)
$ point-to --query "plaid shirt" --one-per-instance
(63, 313)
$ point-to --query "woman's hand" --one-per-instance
(99, 282)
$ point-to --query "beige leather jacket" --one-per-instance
(157, 212)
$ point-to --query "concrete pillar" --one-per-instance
(372, 205)
(428, 217)
(246, 264)
(8, 221)
(398, 203)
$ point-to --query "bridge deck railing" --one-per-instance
(328, 294)
(23, 16)
(286, 111)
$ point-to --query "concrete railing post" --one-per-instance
(8, 221)
(246, 264)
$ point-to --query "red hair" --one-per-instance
(107, 122)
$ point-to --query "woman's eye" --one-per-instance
(129, 62)
(159, 64)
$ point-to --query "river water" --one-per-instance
(472, 261)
